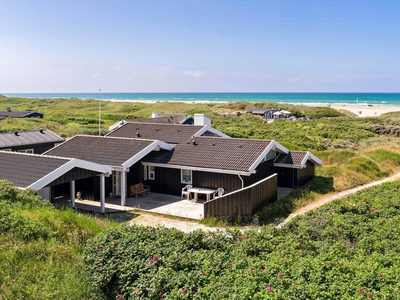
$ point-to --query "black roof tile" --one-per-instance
(99, 149)
(169, 133)
(12, 139)
(212, 153)
(291, 158)
(25, 169)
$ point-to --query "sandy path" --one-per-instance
(325, 200)
(185, 226)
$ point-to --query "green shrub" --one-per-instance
(343, 250)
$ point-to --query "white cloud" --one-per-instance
(118, 68)
(194, 73)
(96, 75)
(293, 79)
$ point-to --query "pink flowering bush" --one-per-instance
(347, 249)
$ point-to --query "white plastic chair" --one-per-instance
(185, 191)
(219, 192)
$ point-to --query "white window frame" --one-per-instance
(149, 172)
(29, 151)
(152, 173)
(191, 176)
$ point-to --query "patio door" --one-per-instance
(116, 181)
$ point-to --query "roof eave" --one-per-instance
(168, 166)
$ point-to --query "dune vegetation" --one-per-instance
(347, 249)
(354, 150)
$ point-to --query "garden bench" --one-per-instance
(139, 189)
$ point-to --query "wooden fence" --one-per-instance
(244, 202)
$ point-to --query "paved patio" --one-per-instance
(153, 202)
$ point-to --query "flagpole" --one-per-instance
(99, 111)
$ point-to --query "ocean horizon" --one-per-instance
(378, 99)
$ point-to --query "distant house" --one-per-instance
(267, 113)
(20, 114)
(34, 142)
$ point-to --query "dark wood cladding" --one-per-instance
(168, 181)
(263, 170)
(74, 174)
(229, 182)
(286, 177)
(294, 178)
(244, 202)
(37, 149)
(305, 175)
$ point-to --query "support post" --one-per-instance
(123, 188)
(102, 194)
(72, 192)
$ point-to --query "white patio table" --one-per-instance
(196, 191)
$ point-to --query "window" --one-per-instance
(269, 156)
(186, 176)
(152, 172)
(30, 151)
(149, 172)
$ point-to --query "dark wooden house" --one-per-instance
(34, 142)
(20, 114)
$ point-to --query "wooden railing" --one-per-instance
(244, 202)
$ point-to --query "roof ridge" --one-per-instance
(115, 137)
(162, 124)
(231, 138)
(36, 155)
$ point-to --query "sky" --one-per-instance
(55, 46)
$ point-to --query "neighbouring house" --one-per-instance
(266, 113)
(167, 119)
(34, 142)
(158, 118)
(169, 133)
(47, 174)
(20, 114)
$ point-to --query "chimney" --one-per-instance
(41, 131)
(8, 109)
(16, 133)
(154, 115)
(138, 134)
(201, 120)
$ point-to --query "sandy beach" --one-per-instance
(365, 110)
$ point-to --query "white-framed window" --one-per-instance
(30, 151)
(149, 172)
(270, 155)
(186, 176)
(152, 172)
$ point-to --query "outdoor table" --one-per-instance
(196, 191)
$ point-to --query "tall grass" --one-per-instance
(41, 248)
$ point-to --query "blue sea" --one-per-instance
(376, 99)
